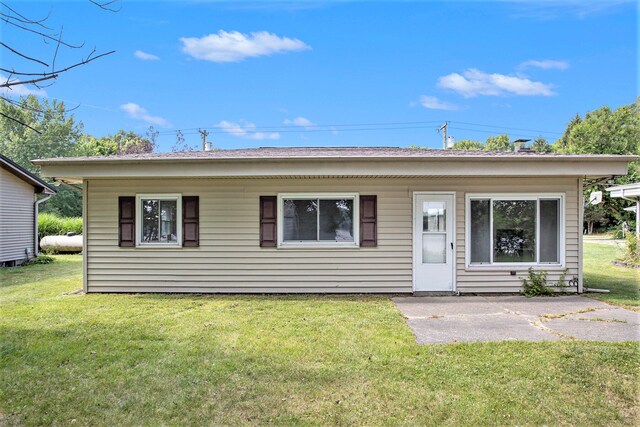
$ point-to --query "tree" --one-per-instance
(540, 145)
(498, 143)
(606, 131)
(123, 142)
(595, 214)
(603, 131)
(49, 130)
(468, 144)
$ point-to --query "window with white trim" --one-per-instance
(508, 229)
(159, 220)
(323, 219)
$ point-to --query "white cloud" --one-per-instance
(473, 82)
(545, 64)
(19, 90)
(233, 46)
(246, 130)
(145, 56)
(300, 121)
(137, 112)
(433, 103)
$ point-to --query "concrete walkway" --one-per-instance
(501, 318)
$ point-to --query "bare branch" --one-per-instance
(24, 18)
(20, 122)
(23, 55)
(105, 5)
(53, 74)
(28, 82)
(55, 55)
(46, 36)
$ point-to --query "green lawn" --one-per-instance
(302, 360)
(624, 283)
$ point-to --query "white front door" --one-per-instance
(433, 248)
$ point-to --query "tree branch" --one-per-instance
(23, 55)
(20, 122)
(105, 5)
(53, 74)
(46, 36)
(24, 18)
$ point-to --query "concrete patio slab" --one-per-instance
(500, 327)
(501, 318)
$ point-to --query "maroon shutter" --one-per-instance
(268, 221)
(190, 221)
(368, 219)
(127, 221)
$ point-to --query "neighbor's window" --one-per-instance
(318, 219)
(158, 219)
(506, 230)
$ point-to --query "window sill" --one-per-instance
(515, 267)
(158, 245)
(329, 245)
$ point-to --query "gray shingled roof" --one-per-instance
(327, 152)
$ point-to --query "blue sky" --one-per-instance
(341, 73)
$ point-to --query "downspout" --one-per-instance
(35, 211)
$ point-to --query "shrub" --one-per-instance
(53, 225)
(536, 284)
(632, 250)
(40, 259)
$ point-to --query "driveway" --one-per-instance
(502, 318)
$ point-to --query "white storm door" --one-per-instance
(433, 242)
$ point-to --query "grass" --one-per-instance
(103, 359)
(599, 272)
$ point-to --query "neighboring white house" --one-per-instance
(630, 192)
(331, 219)
(19, 191)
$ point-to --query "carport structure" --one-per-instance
(629, 192)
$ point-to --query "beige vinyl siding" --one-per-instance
(229, 258)
(16, 217)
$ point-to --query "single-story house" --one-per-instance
(395, 220)
(20, 194)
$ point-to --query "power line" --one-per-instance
(506, 127)
(491, 132)
(307, 128)
(255, 130)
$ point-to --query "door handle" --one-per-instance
(451, 245)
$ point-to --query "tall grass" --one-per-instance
(53, 225)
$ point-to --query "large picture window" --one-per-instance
(158, 220)
(318, 220)
(514, 229)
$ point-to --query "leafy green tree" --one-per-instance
(562, 143)
(59, 133)
(606, 131)
(123, 142)
(498, 143)
(603, 131)
(468, 144)
(540, 145)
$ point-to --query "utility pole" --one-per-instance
(443, 129)
(204, 134)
